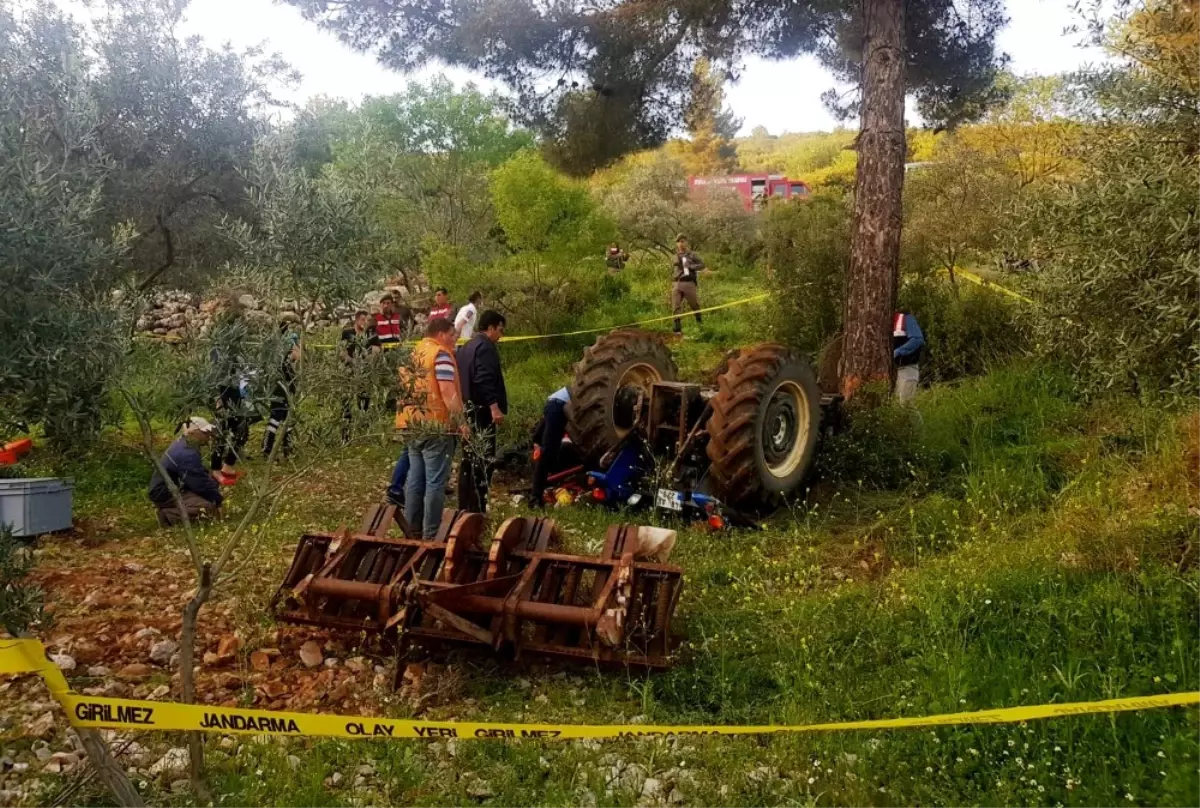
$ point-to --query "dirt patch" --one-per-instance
(119, 619)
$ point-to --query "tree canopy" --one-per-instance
(598, 79)
(711, 125)
(422, 157)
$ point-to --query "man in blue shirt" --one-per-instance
(907, 343)
(547, 441)
(183, 464)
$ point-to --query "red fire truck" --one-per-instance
(754, 189)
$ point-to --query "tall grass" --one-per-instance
(1001, 543)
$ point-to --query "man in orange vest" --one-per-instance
(432, 415)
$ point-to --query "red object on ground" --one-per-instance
(14, 451)
(564, 475)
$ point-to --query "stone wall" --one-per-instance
(175, 316)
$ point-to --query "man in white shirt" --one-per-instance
(464, 321)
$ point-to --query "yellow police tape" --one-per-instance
(958, 271)
(28, 656)
(986, 284)
(743, 301)
(527, 337)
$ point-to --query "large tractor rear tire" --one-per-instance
(763, 429)
(616, 360)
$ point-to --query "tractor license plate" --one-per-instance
(668, 499)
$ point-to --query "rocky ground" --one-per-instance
(116, 633)
(175, 315)
(114, 608)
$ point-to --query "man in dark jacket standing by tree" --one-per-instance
(684, 283)
(486, 402)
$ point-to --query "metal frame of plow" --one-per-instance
(356, 581)
(530, 599)
(520, 596)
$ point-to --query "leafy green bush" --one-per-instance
(881, 448)
(544, 212)
(986, 437)
(20, 601)
(1118, 285)
(555, 236)
(968, 330)
(651, 204)
(612, 288)
(808, 249)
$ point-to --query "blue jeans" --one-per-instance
(399, 476)
(425, 492)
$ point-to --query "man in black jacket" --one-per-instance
(185, 467)
(486, 403)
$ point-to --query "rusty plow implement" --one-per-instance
(519, 595)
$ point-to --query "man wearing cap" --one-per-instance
(184, 466)
(684, 281)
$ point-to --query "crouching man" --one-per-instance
(184, 465)
(547, 442)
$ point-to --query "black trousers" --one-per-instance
(475, 469)
(364, 404)
(550, 438)
(279, 414)
(234, 428)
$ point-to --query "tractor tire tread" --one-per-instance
(592, 389)
(732, 447)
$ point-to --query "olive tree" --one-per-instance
(310, 239)
(650, 203)
(60, 335)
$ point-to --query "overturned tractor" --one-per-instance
(746, 442)
(517, 596)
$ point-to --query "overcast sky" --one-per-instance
(782, 96)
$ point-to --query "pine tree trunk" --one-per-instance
(875, 246)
